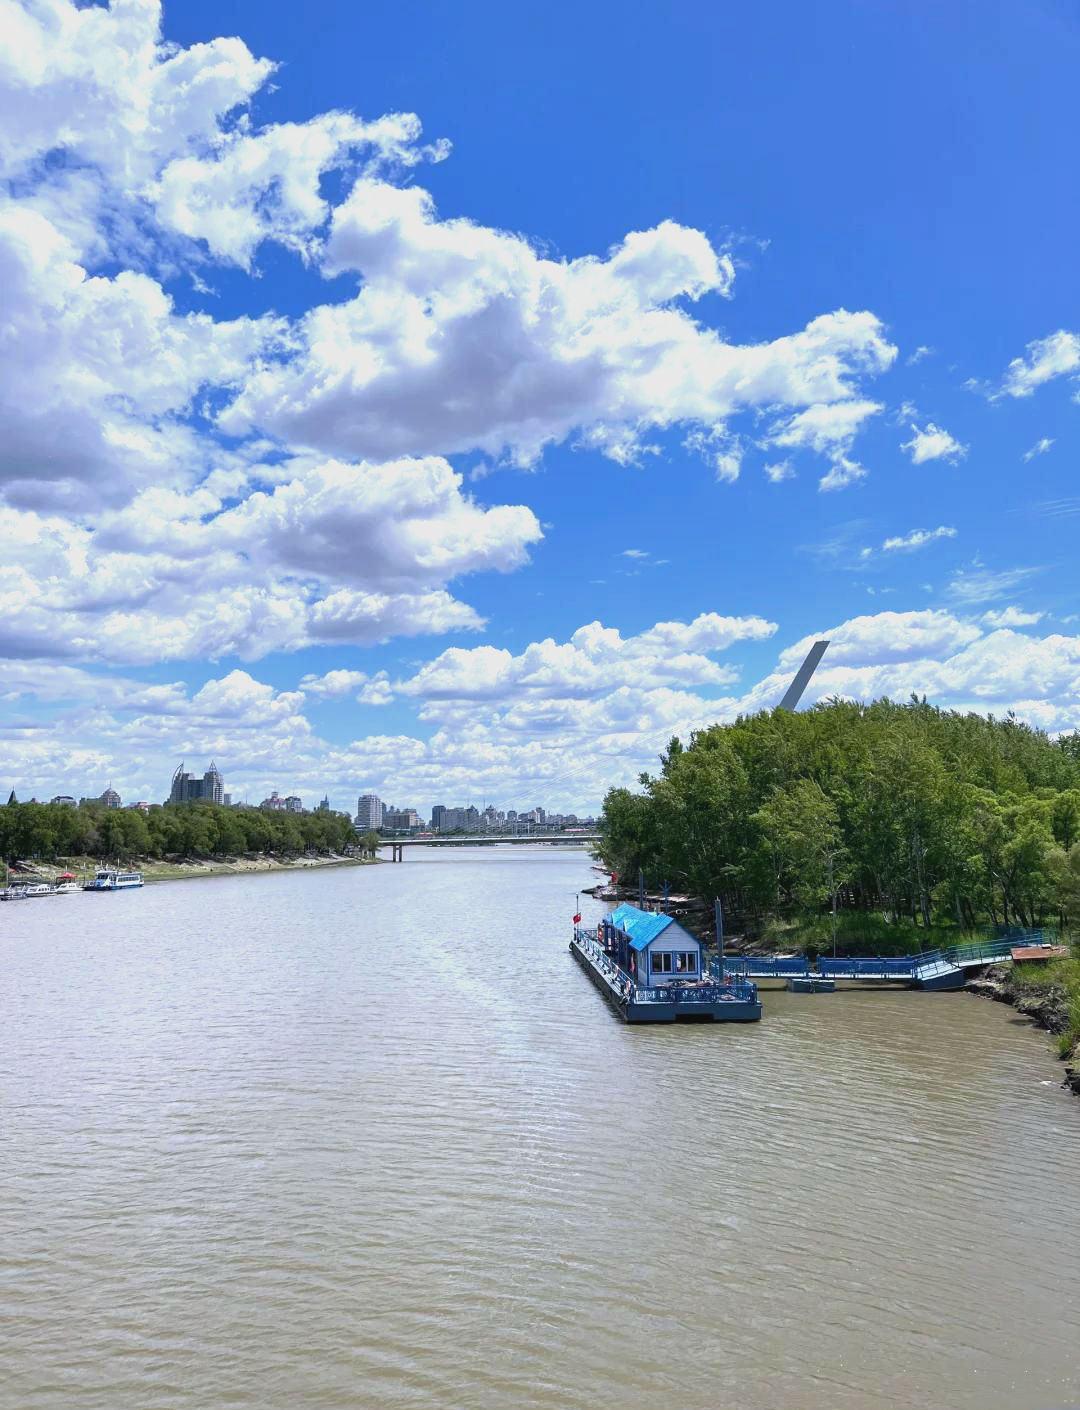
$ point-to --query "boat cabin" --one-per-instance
(653, 949)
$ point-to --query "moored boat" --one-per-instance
(650, 970)
(114, 880)
(37, 888)
(65, 882)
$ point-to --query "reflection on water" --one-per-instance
(369, 1137)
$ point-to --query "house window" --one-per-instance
(661, 961)
(686, 962)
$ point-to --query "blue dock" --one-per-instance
(635, 944)
(932, 969)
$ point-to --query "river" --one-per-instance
(369, 1138)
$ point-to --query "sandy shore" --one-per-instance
(154, 871)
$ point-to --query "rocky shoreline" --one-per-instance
(1047, 1009)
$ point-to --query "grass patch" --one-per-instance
(1039, 978)
(861, 933)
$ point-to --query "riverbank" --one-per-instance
(177, 871)
(154, 871)
(1047, 994)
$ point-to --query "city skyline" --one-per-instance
(373, 812)
(187, 787)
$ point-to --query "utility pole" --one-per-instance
(719, 912)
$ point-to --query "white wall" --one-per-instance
(673, 940)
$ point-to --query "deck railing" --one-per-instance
(679, 992)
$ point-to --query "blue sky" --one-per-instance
(469, 455)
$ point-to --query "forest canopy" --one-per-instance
(923, 814)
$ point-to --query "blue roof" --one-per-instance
(641, 926)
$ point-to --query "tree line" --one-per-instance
(922, 814)
(44, 831)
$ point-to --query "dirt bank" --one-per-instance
(155, 871)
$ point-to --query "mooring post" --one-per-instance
(719, 914)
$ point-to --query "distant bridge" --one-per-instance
(932, 969)
(544, 839)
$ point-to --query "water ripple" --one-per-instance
(370, 1138)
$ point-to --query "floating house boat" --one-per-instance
(651, 970)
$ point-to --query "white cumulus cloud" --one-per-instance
(1011, 617)
(1055, 356)
(518, 729)
(933, 443)
(594, 661)
(203, 486)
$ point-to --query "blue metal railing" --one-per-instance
(763, 967)
(882, 967)
(1017, 935)
(872, 967)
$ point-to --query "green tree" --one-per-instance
(800, 834)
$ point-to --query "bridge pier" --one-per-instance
(397, 852)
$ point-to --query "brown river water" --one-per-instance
(368, 1137)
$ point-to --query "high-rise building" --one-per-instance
(187, 788)
(324, 805)
(437, 814)
(110, 797)
(293, 804)
(369, 812)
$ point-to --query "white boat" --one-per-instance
(14, 891)
(112, 880)
(64, 884)
(38, 888)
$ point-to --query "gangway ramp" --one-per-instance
(931, 969)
